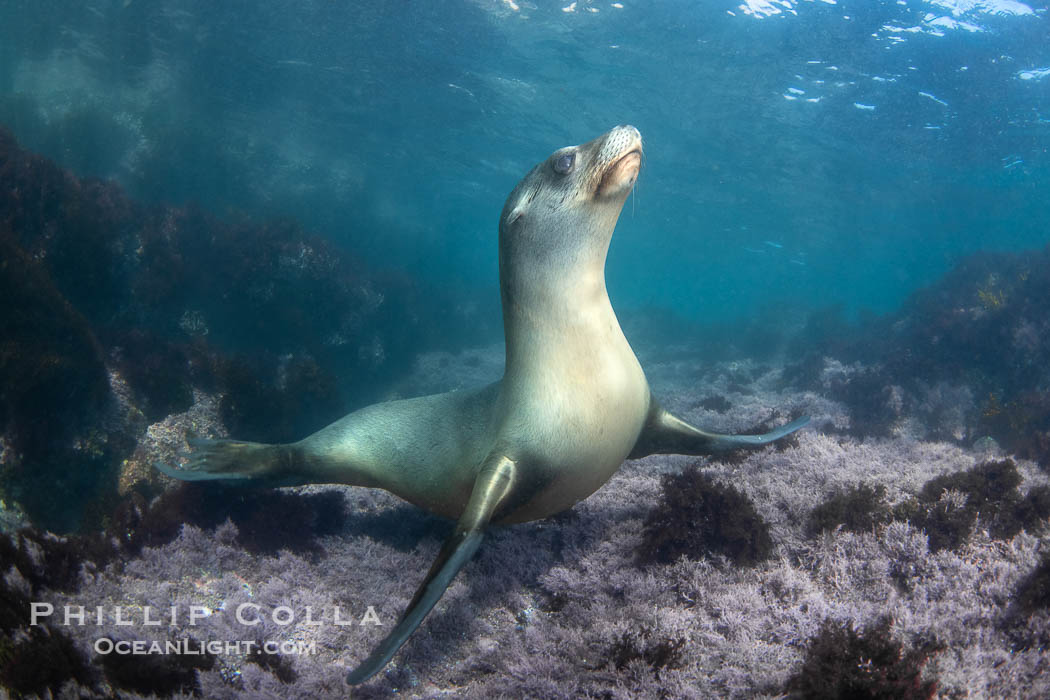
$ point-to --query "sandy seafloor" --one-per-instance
(497, 633)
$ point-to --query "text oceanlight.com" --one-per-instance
(192, 647)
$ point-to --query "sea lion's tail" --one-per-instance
(231, 459)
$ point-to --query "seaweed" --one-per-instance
(841, 662)
(654, 650)
(1022, 423)
(697, 517)
(875, 406)
(261, 517)
(988, 490)
(273, 399)
(55, 394)
(947, 523)
(859, 508)
(39, 660)
(716, 403)
(156, 674)
(158, 370)
(1033, 593)
(276, 664)
(1025, 621)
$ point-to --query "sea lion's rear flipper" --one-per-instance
(492, 485)
(233, 460)
(666, 434)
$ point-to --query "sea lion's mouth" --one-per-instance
(621, 174)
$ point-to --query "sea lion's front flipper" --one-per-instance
(666, 434)
(238, 460)
(492, 485)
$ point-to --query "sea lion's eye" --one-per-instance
(563, 163)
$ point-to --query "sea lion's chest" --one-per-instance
(575, 420)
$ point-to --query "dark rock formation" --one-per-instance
(100, 291)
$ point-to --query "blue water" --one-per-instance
(798, 154)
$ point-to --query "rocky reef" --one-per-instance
(119, 315)
(963, 360)
(896, 548)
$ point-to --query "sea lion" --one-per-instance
(573, 402)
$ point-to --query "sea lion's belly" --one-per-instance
(574, 428)
(426, 450)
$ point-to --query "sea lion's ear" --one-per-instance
(522, 205)
(515, 215)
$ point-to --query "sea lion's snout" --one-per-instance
(619, 160)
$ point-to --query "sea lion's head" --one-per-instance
(563, 212)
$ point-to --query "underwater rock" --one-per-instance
(162, 372)
(165, 439)
(966, 356)
(54, 396)
(1021, 422)
(277, 399)
(104, 296)
(81, 231)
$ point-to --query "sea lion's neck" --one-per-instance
(565, 310)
